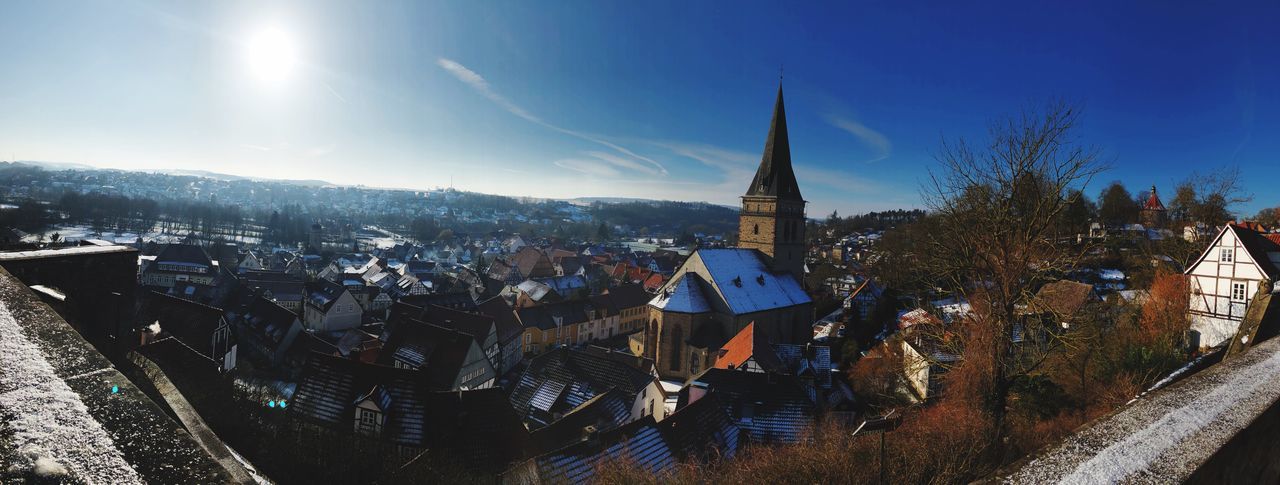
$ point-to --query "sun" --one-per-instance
(271, 55)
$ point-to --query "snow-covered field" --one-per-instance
(81, 232)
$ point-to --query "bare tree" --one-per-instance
(997, 207)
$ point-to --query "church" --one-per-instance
(718, 292)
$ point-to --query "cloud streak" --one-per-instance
(481, 86)
(874, 140)
(589, 167)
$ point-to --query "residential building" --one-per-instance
(1238, 263)
(330, 307)
(180, 263)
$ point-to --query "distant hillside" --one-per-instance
(668, 216)
(229, 177)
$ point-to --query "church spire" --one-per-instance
(775, 177)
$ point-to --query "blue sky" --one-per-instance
(632, 99)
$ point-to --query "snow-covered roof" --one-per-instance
(683, 296)
(746, 284)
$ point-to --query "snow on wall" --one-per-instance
(1165, 435)
(1135, 452)
(49, 421)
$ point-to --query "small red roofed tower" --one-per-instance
(1153, 212)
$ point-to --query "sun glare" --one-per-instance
(272, 55)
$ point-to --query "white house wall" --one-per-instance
(1213, 314)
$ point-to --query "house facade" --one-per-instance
(1225, 279)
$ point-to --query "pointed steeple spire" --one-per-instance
(775, 176)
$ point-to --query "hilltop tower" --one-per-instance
(772, 217)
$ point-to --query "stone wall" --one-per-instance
(100, 283)
(59, 394)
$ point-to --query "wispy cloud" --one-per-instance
(334, 92)
(589, 167)
(255, 147)
(874, 140)
(481, 86)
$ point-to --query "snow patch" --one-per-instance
(50, 424)
(1134, 453)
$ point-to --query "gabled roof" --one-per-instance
(475, 427)
(547, 316)
(503, 316)
(440, 352)
(603, 412)
(701, 431)
(747, 344)
(188, 321)
(640, 441)
(1062, 298)
(745, 283)
(768, 407)
(183, 253)
(559, 381)
(1263, 249)
(775, 177)
(532, 263)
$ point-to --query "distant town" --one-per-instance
(298, 332)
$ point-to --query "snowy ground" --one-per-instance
(51, 427)
(81, 232)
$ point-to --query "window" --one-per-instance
(1228, 255)
(677, 338)
(1239, 291)
(755, 229)
(528, 338)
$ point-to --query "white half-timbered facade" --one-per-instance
(1226, 277)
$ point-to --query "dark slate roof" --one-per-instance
(474, 427)
(183, 253)
(503, 316)
(268, 319)
(1260, 249)
(476, 325)
(188, 321)
(283, 286)
(457, 301)
(775, 177)
(641, 441)
(629, 296)
(701, 431)
(603, 412)
(641, 363)
(559, 381)
(323, 293)
(767, 407)
(806, 360)
(545, 316)
(443, 352)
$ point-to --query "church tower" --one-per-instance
(772, 217)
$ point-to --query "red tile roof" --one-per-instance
(1153, 202)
